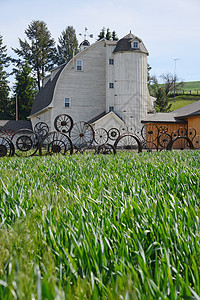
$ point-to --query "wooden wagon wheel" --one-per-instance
(100, 136)
(150, 132)
(174, 134)
(55, 143)
(191, 132)
(131, 129)
(63, 123)
(182, 131)
(25, 142)
(196, 142)
(113, 133)
(164, 139)
(123, 129)
(163, 129)
(6, 147)
(128, 143)
(82, 135)
(150, 146)
(106, 149)
(180, 142)
(41, 129)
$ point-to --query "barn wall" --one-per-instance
(131, 87)
(85, 88)
(194, 122)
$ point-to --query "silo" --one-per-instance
(130, 85)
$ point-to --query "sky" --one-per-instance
(170, 29)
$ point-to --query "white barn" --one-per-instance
(105, 84)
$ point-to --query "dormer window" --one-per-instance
(135, 44)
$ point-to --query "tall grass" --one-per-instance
(100, 227)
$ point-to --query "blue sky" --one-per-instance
(170, 29)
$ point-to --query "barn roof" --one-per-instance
(190, 110)
(45, 95)
(176, 116)
(124, 44)
(15, 125)
(162, 118)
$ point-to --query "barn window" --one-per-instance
(67, 102)
(135, 44)
(79, 65)
(111, 61)
(111, 85)
(111, 108)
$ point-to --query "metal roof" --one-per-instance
(45, 96)
(124, 44)
(15, 125)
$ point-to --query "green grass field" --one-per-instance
(100, 227)
(182, 100)
(191, 86)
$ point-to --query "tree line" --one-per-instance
(36, 55)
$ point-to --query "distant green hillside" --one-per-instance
(191, 86)
(182, 100)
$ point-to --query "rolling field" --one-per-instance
(100, 227)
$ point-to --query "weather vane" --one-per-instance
(86, 34)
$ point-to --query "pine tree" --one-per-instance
(4, 88)
(68, 45)
(25, 90)
(40, 52)
(161, 103)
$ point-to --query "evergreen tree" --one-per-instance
(108, 34)
(4, 88)
(25, 90)
(105, 33)
(114, 36)
(161, 103)
(68, 44)
(40, 51)
(102, 34)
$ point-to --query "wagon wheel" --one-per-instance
(63, 123)
(113, 133)
(106, 149)
(150, 146)
(174, 134)
(196, 142)
(2, 130)
(100, 136)
(191, 132)
(6, 147)
(9, 133)
(163, 129)
(150, 132)
(128, 143)
(82, 135)
(25, 142)
(55, 143)
(123, 129)
(41, 129)
(164, 140)
(182, 131)
(180, 142)
(131, 129)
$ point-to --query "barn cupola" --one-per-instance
(84, 45)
